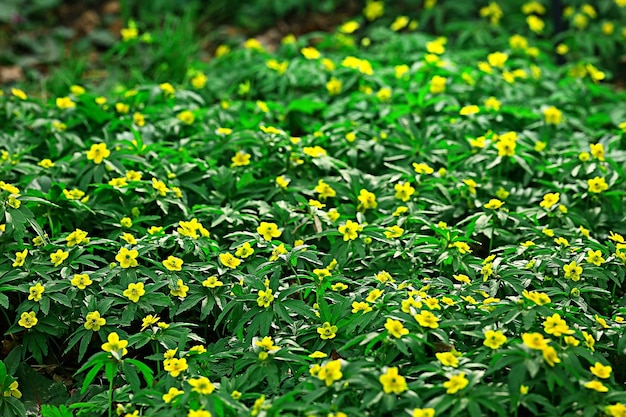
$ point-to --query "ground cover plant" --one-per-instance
(366, 222)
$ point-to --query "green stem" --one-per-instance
(111, 398)
(157, 351)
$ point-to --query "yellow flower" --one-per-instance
(394, 232)
(98, 152)
(350, 230)
(126, 222)
(427, 319)
(160, 187)
(77, 90)
(65, 103)
(268, 230)
(334, 86)
(199, 80)
(493, 103)
(494, 203)
(438, 84)
(240, 159)
(538, 298)
(597, 151)
(327, 331)
(550, 356)
(310, 52)
(435, 47)
(76, 237)
(134, 291)
(148, 321)
(228, 260)
(494, 339)
(173, 263)
(462, 278)
(267, 344)
(277, 251)
(58, 257)
(330, 372)
(114, 344)
(573, 271)
(595, 257)
(423, 412)
(534, 341)
(318, 355)
(118, 182)
(46, 163)
(395, 328)
(374, 9)
(562, 49)
(448, 359)
(129, 33)
(601, 321)
(617, 409)
(596, 386)
(324, 190)
(13, 390)
(186, 117)
(175, 366)
(361, 306)
(180, 289)
(367, 200)
(462, 247)
(251, 43)
(223, 131)
(506, 147)
(518, 42)
(128, 238)
(456, 383)
(552, 115)
(81, 281)
(549, 200)
(616, 237)
(556, 326)
(314, 151)
(265, 298)
(153, 230)
(471, 185)
(469, 110)
(393, 382)
(601, 371)
(19, 93)
(93, 321)
(535, 23)
(404, 191)
(384, 94)
(28, 320)
(571, 341)
(35, 292)
(401, 70)
(497, 59)
(201, 385)
(122, 108)
(127, 258)
(374, 295)
(349, 27)
(20, 258)
(400, 23)
(212, 282)
(171, 394)
(244, 250)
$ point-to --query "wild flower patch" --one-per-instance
(398, 227)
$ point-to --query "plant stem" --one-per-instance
(111, 398)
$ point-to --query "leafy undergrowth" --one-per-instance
(398, 228)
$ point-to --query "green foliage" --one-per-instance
(379, 222)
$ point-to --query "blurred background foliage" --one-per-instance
(47, 45)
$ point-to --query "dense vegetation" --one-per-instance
(373, 221)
